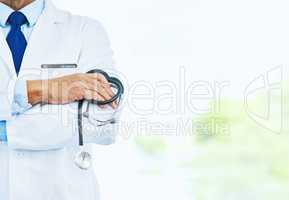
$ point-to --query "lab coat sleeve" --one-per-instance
(97, 53)
(40, 128)
(46, 127)
(20, 103)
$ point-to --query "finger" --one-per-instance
(99, 96)
(96, 87)
(87, 94)
(99, 77)
(115, 104)
(92, 95)
(103, 92)
(99, 86)
(105, 86)
(108, 90)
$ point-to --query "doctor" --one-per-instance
(39, 47)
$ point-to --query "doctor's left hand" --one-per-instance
(67, 89)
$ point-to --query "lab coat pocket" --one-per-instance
(49, 71)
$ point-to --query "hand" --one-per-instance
(70, 88)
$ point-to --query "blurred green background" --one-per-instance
(227, 155)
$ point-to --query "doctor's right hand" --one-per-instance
(67, 89)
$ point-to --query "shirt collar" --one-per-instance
(5, 11)
(32, 12)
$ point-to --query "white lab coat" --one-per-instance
(37, 162)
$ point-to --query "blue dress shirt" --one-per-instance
(32, 13)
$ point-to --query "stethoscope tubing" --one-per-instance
(116, 83)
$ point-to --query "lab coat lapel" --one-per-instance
(7, 77)
(43, 40)
(6, 56)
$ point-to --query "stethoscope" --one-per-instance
(83, 158)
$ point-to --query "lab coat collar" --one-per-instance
(33, 11)
(5, 12)
(52, 14)
(41, 34)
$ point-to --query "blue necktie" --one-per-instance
(16, 39)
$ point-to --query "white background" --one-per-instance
(215, 40)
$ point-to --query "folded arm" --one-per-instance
(54, 124)
(52, 121)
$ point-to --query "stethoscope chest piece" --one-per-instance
(83, 159)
